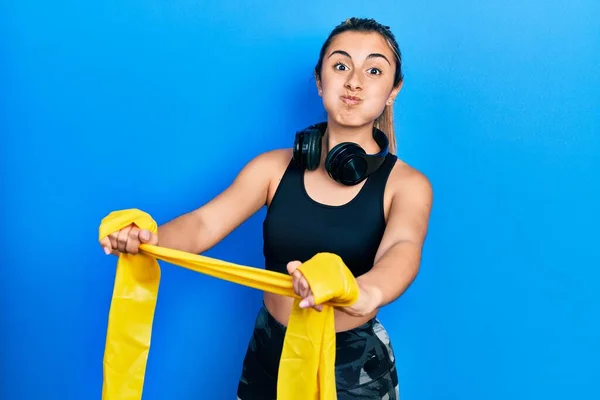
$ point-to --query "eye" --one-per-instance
(340, 67)
(375, 71)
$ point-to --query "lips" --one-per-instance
(352, 100)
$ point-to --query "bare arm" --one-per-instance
(399, 255)
(398, 258)
(201, 229)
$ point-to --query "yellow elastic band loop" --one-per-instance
(306, 369)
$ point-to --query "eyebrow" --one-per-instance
(372, 55)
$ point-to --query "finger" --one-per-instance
(295, 285)
(106, 246)
(303, 286)
(113, 243)
(312, 302)
(133, 242)
(122, 238)
(113, 240)
(296, 277)
(115, 253)
(292, 266)
(308, 301)
(145, 236)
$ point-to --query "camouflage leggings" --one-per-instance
(364, 366)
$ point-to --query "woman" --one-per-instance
(375, 220)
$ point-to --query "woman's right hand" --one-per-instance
(127, 240)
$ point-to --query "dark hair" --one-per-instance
(385, 120)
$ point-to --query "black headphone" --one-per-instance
(347, 163)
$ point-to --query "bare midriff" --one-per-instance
(280, 307)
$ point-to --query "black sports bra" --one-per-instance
(297, 227)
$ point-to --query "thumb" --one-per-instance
(292, 266)
(148, 237)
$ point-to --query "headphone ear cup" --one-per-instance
(313, 146)
(345, 163)
(298, 151)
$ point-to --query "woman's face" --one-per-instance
(357, 78)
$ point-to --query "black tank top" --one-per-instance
(296, 227)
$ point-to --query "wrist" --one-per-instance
(373, 297)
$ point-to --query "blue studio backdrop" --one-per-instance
(158, 105)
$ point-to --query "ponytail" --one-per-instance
(385, 122)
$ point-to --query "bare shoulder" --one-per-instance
(272, 163)
(408, 182)
(275, 158)
(264, 172)
(265, 164)
(409, 198)
(408, 203)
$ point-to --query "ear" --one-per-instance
(319, 87)
(394, 93)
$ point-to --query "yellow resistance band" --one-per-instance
(306, 369)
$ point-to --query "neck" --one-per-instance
(361, 135)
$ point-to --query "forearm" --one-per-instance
(183, 233)
(391, 275)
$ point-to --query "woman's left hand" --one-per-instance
(363, 306)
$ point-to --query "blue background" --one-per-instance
(157, 105)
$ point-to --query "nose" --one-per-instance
(354, 81)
